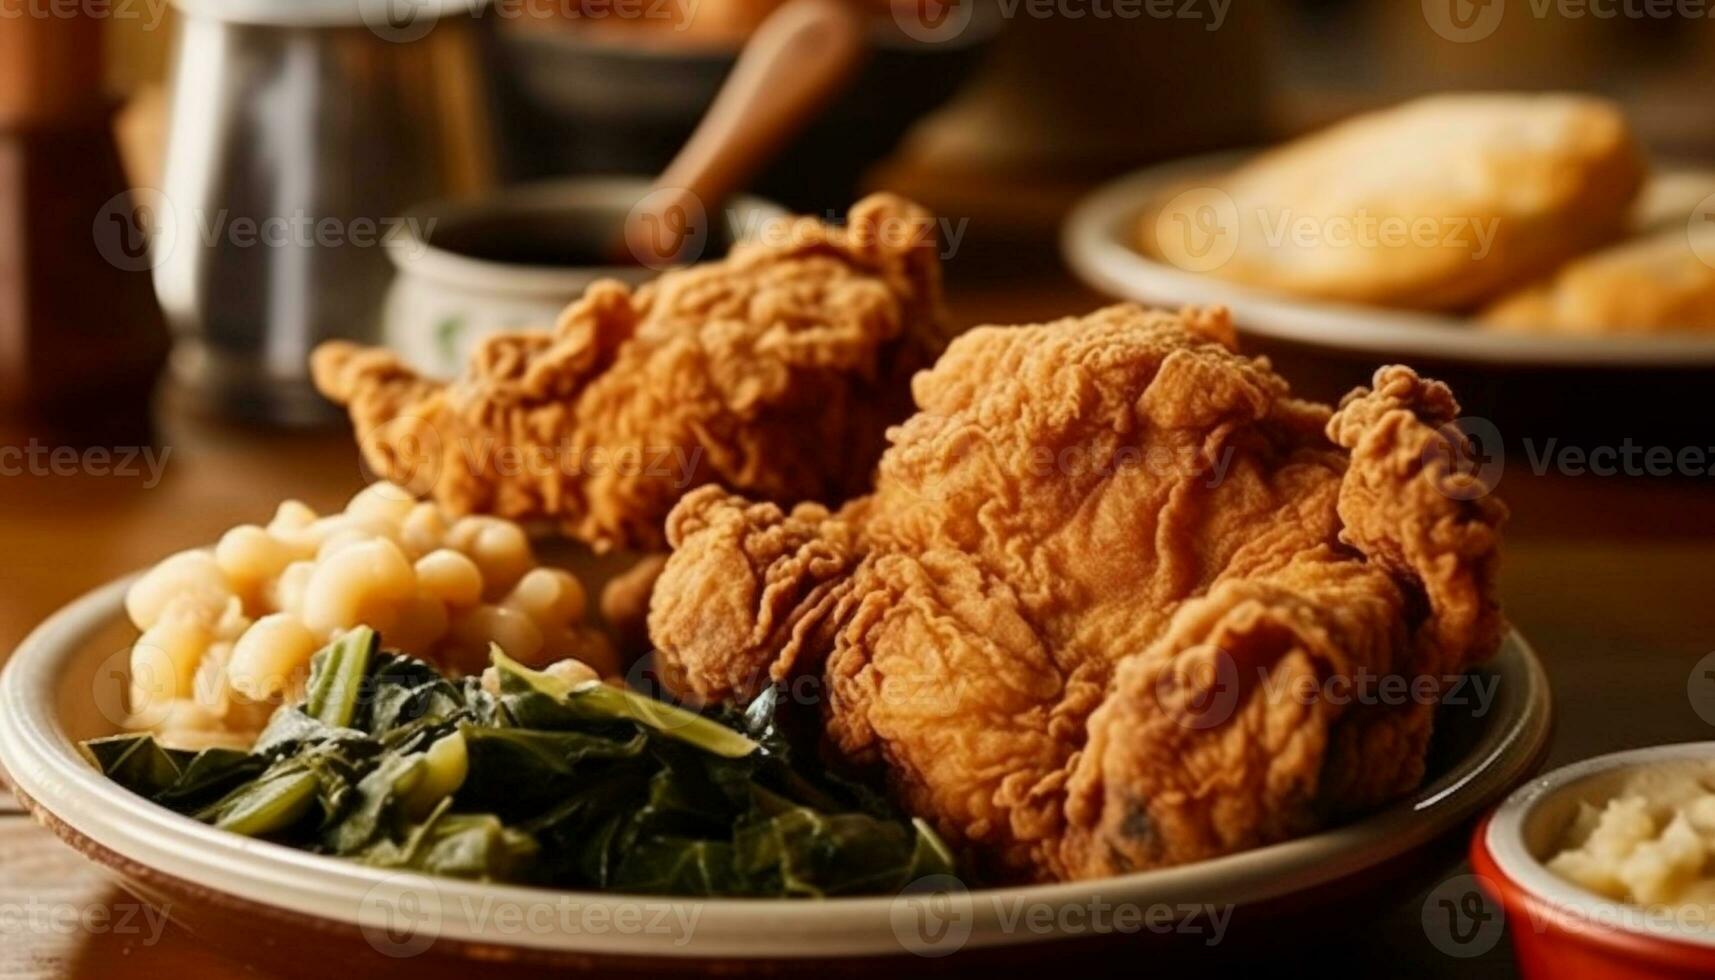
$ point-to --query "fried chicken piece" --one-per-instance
(1071, 619)
(774, 372)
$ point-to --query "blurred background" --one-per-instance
(374, 120)
(193, 195)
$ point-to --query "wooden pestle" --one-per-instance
(798, 60)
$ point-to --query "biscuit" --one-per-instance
(1661, 281)
(1438, 204)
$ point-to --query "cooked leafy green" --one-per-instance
(594, 701)
(335, 688)
(547, 781)
(177, 779)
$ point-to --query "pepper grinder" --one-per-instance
(82, 340)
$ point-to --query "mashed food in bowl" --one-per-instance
(1651, 844)
(227, 632)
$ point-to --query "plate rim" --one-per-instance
(71, 798)
(1094, 243)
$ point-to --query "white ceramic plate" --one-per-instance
(1097, 239)
(53, 691)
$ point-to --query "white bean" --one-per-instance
(230, 621)
(191, 727)
(356, 585)
(292, 515)
(209, 689)
(249, 555)
(268, 655)
(583, 645)
(382, 501)
(342, 538)
(287, 591)
(165, 658)
(551, 596)
(571, 671)
(423, 530)
(187, 574)
(498, 547)
(450, 577)
(434, 587)
(317, 534)
(332, 533)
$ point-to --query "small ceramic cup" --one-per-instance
(514, 259)
(1559, 929)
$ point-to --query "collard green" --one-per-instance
(540, 781)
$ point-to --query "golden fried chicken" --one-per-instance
(1075, 618)
(774, 372)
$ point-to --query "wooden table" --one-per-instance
(1609, 576)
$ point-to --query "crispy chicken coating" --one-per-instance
(774, 372)
(1097, 613)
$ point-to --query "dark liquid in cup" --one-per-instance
(538, 240)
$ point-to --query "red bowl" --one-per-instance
(1559, 929)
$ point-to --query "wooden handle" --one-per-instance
(798, 60)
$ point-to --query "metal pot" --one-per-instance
(301, 131)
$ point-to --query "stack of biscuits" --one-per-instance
(1527, 212)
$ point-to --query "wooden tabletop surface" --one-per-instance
(1608, 576)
